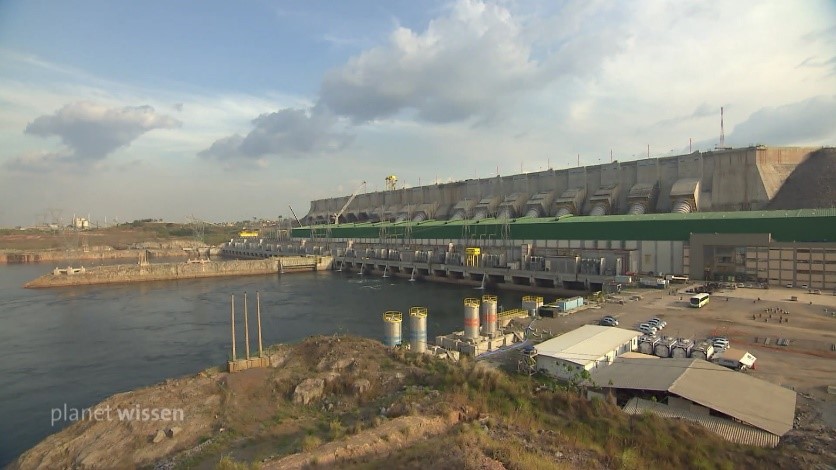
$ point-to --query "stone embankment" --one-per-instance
(126, 273)
(47, 256)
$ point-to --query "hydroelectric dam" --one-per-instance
(758, 215)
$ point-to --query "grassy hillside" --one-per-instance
(351, 403)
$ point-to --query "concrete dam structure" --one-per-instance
(727, 180)
(758, 216)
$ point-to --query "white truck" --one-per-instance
(653, 282)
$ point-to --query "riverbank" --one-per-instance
(126, 273)
(97, 254)
(352, 403)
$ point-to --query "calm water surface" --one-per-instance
(79, 345)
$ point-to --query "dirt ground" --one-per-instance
(806, 364)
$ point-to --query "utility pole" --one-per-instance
(258, 313)
(246, 328)
(232, 323)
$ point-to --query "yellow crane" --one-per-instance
(391, 182)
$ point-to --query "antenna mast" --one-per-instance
(722, 132)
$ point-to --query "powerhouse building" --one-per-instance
(760, 215)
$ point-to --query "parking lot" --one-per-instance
(751, 319)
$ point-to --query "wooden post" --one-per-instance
(246, 327)
(258, 312)
(232, 322)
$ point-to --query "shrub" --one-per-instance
(310, 442)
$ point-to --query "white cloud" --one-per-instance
(465, 64)
(290, 133)
(483, 85)
(92, 131)
(808, 122)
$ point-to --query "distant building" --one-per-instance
(738, 407)
(584, 349)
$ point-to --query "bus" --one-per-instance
(699, 300)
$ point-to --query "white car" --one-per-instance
(648, 329)
(658, 323)
(720, 343)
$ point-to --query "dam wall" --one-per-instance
(126, 273)
(720, 180)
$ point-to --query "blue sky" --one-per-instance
(229, 110)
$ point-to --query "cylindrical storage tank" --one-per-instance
(682, 349)
(703, 351)
(392, 322)
(471, 318)
(489, 314)
(563, 211)
(480, 214)
(531, 302)
(420, 217)
(647, 344)
(418, 329)
(664, 347)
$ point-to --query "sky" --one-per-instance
(225, 110)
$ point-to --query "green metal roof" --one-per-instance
(803, 225)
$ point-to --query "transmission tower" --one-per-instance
(198, 228)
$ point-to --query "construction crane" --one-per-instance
(353, 195)
(294, 215)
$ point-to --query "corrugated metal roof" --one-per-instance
(757, 402)
(753, 401)
(585, 344)
(637, 355)
(727, 429)
(634, 374)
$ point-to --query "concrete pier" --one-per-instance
(174, 271)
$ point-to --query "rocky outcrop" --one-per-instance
(361, 386)
(308, 391)
(340, 364)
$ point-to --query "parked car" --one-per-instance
(720, 343)
(648, 330)
(608, 321)
(657, 322)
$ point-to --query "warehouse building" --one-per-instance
(587, 348)
(736, 406)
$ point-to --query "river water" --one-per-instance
(78, 345)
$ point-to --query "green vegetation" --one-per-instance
(480, 416)
(227, 463)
